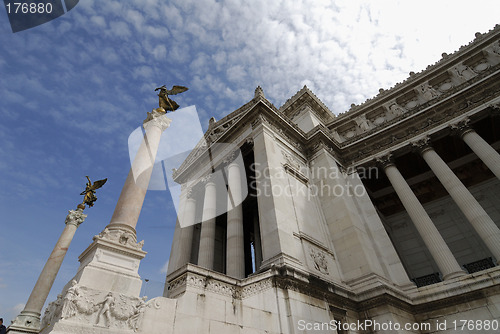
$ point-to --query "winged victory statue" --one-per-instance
(164, 101)
(89, 191)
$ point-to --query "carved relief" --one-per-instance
(111, 310)
(396, 110)
(319, 259)
(363, 123)
(428, 92)
(124, 238)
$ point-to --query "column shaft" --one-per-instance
(28, 321)
(207, 236)
(129, 205)
(235, 255)
(482, 223)
(186, 234)
(430, 235)
(483, 150)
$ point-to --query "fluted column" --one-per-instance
(28, 321)
(235, 255)
(438, 248)
(475, 214)
(207, 236)
(478, 145)
(129, 204)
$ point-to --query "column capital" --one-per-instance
(461, 127)
(75, 217)
(229, 159)
(423, 144)
(385, 160)
(208, 179)
(158, 119)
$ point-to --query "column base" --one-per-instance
(111, 262)
(25, 322)
(103, 297)
(454, 275)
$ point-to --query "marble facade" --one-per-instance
(387, 214)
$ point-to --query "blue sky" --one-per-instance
(72, 91)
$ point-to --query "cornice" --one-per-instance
(480, 40)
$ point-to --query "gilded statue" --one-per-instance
(167, 104)
(89, 191)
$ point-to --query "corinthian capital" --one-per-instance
(423, 144)
(158, 119)
(385, 160)
(75, 217)
(461, 127)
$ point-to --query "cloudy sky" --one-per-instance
(72, 91)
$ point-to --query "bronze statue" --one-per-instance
(89, 192)
(166, 103)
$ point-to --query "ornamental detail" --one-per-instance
(87, 306)
(158, 119)
(124, 238)
(319, 260)
(75, 217)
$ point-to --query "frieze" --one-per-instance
(83, 305)
(412, 108)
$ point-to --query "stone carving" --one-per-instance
(52, 311)
(463, 71)
(319, 259)
(428, 92)
(75, 217)
(158, 119)
(292, 162)
(69, 307)
(109, 310)
(496, 48)
(396, 110)
(362, 123)
(124, 238)
(105, 311)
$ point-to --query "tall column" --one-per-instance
(186, 238)
(430, 235)
(129, 204)
(28, 321)
(482, 223)
(235, 255)
(256, 243)
(207, 236)
(483, 150)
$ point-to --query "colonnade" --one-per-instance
(235, 255)
(468, 205)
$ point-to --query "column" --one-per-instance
(482, 223)
(28, 321)
(438, 248)
(256, 243)
(478, 145)
(235, 256)
(130, 202)
(186, 234)
(207, 236)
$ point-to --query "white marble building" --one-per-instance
(384, 219)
